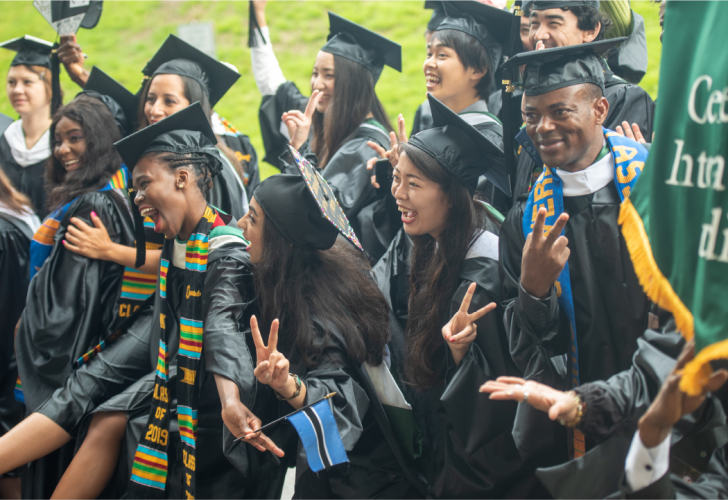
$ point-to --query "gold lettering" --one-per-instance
(540, 191)
(160, 413)
(189, 377)
(189, 478)
(193, 293)
(161, 320)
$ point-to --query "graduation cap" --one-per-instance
(30, 50)
(489, 25)
(121, 102)
(358, 44)
(438, 14)
(460, 148)
(186, 131)
(304, 208)
(66, 16)
(551, 69)
(177, 57)
(558, 4)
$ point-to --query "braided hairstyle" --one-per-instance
(204, 165)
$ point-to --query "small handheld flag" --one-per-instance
(319, 434)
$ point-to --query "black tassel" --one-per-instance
(57, 95)
(141, 239)
(252, 26)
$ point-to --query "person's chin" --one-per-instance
(322, 106)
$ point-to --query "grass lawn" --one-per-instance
(130, 32)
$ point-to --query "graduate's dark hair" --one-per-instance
(295, 285)
(13, 198)
(96, 165)
(435, 271)
(472, 54)
(200, 163)
(354, 98)
(194, 92)
(588, 17)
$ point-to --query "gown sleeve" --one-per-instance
(70, 302)
(275, 133)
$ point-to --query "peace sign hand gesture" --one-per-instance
(299, 123)
(461, 330)
(392, 154)
(271, 367)
(544, 256)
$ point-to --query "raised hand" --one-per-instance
(392, 154)
(461, 330)
(632, 132)
(671, 404)
(71, 55)
(299, 123)
(544, 256)
(557, 404)
(91, 242)
(271, 367)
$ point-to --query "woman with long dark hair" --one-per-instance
(73, 303)
(334, 326)
(24, 143)
(446, 350)
(331, 128)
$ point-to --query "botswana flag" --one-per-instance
(319, 435)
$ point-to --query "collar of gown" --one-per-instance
(21, 154)
(590, 180)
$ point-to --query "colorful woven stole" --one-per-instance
(42, 243)
(548, 192)
(149, 471)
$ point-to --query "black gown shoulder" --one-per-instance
(28, 180)
(286, 98)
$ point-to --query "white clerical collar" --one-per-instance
(178, 253)
(590, 180)
(21, 154)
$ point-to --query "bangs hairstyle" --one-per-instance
(96, 165)
(296, 285)
(435, 271)
(354, 98)
(472, 54)
(193, 92)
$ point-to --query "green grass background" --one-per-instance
(130, 32)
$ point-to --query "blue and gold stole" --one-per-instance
(548, 192)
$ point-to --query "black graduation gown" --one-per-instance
(614, 407)
(15, 238)
(286, 98)
(248, 158)
(28, 180)
(469, 448)
(224, 469)
(627, 102)
(610, 307)
(227, 193)
(72, 304)
(377, 466)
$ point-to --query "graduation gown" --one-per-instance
(244, 151)
(377, 466)
(627, 102)
(227, 191)
(15, 238)
(224, 469)
(610, 307)
(275, 133)
(469, 449)
(28, 180)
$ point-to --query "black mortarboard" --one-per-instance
(186, 131)
(177, 57)
(558, 4)
(304, 208)
(67, 16)
(551, 69)
(358, 44)
(30, 50)
(460, 148)
(489, 25)
(121, 102)
(438, 14)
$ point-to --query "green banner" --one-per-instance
(676, 219)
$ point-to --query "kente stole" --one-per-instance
(548, 192)
(149, 471)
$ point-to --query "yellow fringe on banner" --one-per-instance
(659, 290)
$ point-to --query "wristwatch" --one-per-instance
(299, 384)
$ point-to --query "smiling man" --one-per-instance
(565, 23)
(568, 279)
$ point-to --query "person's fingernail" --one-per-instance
(267, 376)
(94, 214)
(64, 242)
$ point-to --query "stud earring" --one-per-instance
(180, 185)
